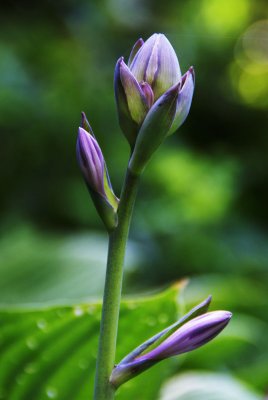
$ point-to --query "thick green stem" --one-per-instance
(112, 291)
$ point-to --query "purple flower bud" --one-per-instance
(156, 63)
(184, 100)
(90, 160)
(135, 97)
(192, 331)
(190, 336)
(148, 93)
(153, 69)
(93, 167)
(129, 126)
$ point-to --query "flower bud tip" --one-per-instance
(191, 70)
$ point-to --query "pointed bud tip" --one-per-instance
(121, 65)
(83, 118)
(81, 131)
(192, 72)
(186, 76)
(219, 316)
(208, 299)
(85, 124)
(228, 315)
(119, 62)
(158, 35)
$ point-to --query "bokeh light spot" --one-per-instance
(249, 71)
(225, 17)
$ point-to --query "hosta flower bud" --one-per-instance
(154, 129)
(166, 115)
(192, 331)
(131, 101)
(153, 71)
(191, 335)
(156, 63)
(93, 167)
(184, 100)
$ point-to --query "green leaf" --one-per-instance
(41, 269)
(51, 352)
(206, 386)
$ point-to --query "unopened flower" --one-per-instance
(157, 64)
(190, 336)
(194, 330)
(94, 170)
(152, 71)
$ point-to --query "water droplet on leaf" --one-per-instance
(78, 311)
(51, 393)
(31, 343)
(41, 324)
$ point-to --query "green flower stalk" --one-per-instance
(153, 100)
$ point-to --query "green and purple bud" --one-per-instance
(152, 72)
(190, 336)
(135, 50)
(194, 330)
(94, 170)
(157, 64)
(131, 100)
(184, 100)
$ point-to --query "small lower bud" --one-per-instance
(194, 330)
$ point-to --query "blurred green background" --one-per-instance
(202, 209)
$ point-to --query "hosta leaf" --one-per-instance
(59, 269)
(51, 352)
(206, 386)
